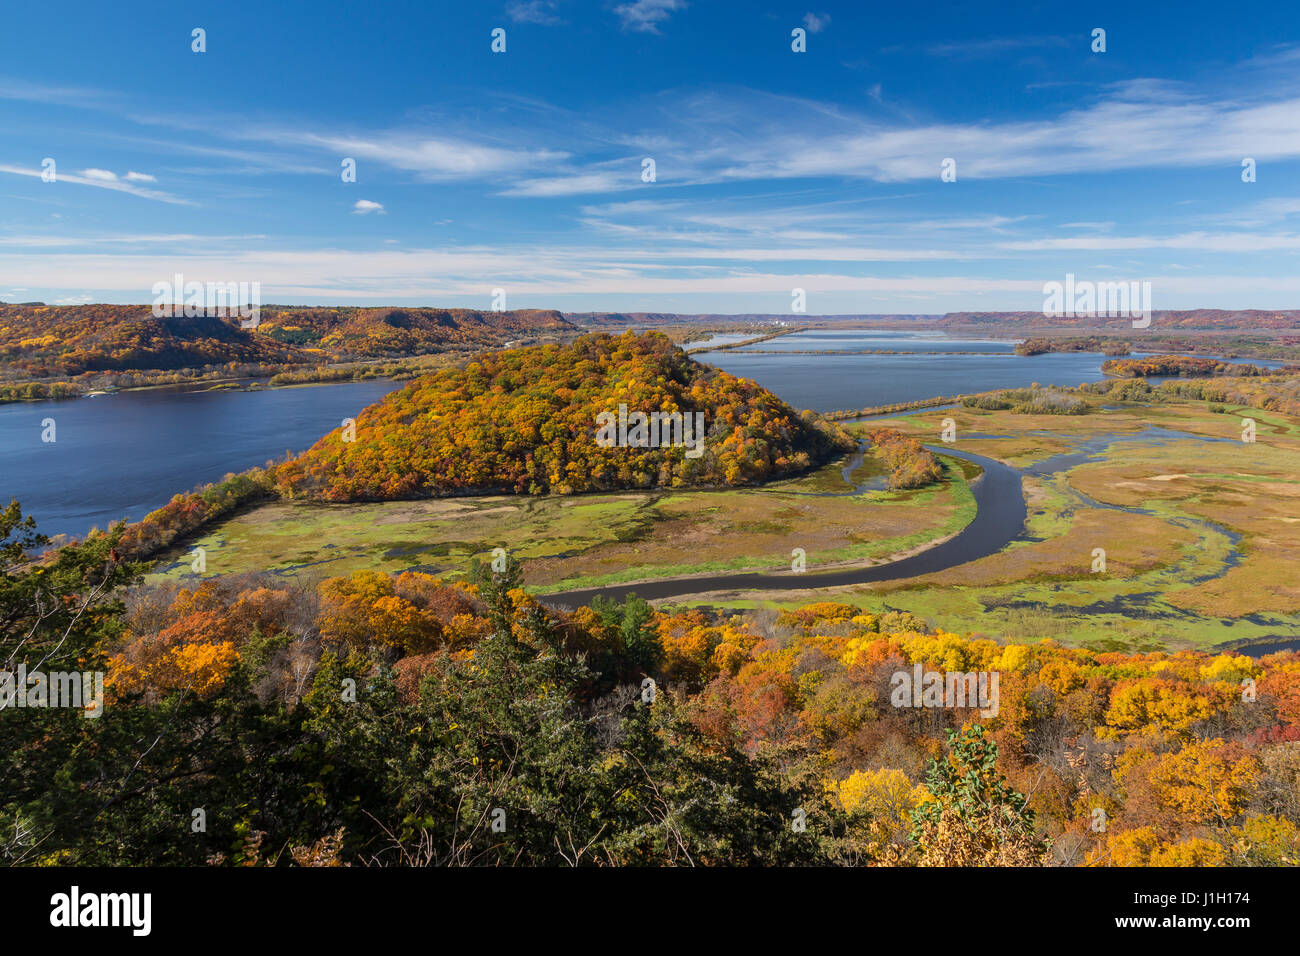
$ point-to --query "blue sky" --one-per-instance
(775, 170)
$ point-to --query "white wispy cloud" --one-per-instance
(645, 16)
(722, 135)
(996, 46)
(125, 239)
(726, 136)
(631, 207)
(227, 160)
(16, 89)
(428, 275)
(430, 157)
(108, 176)
(103, 179)
(1262, 213)
(816, 23)
(533, 11)
(1102, 226)
(1157, 130)
(364, 207)
(575, 184)
(1244, 242)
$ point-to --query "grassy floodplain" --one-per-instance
(589, 540)
(1201, 531)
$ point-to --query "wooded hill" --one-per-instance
(525, 421)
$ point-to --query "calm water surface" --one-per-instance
(859, 340)
(126, 454)
(832, 382)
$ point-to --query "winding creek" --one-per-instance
(999, 520)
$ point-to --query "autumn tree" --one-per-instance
(972, 818)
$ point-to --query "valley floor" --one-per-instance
(1200, 531)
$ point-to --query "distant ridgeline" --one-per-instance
(46, 342)
(38, 341)
(1242, 320)
(542, 420)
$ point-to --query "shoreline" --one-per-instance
(222, 385)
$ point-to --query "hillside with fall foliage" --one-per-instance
(524, 421)
(384, 719)
(42, 341)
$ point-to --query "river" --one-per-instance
(829, 382)
(125, 454)
(999, 520)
